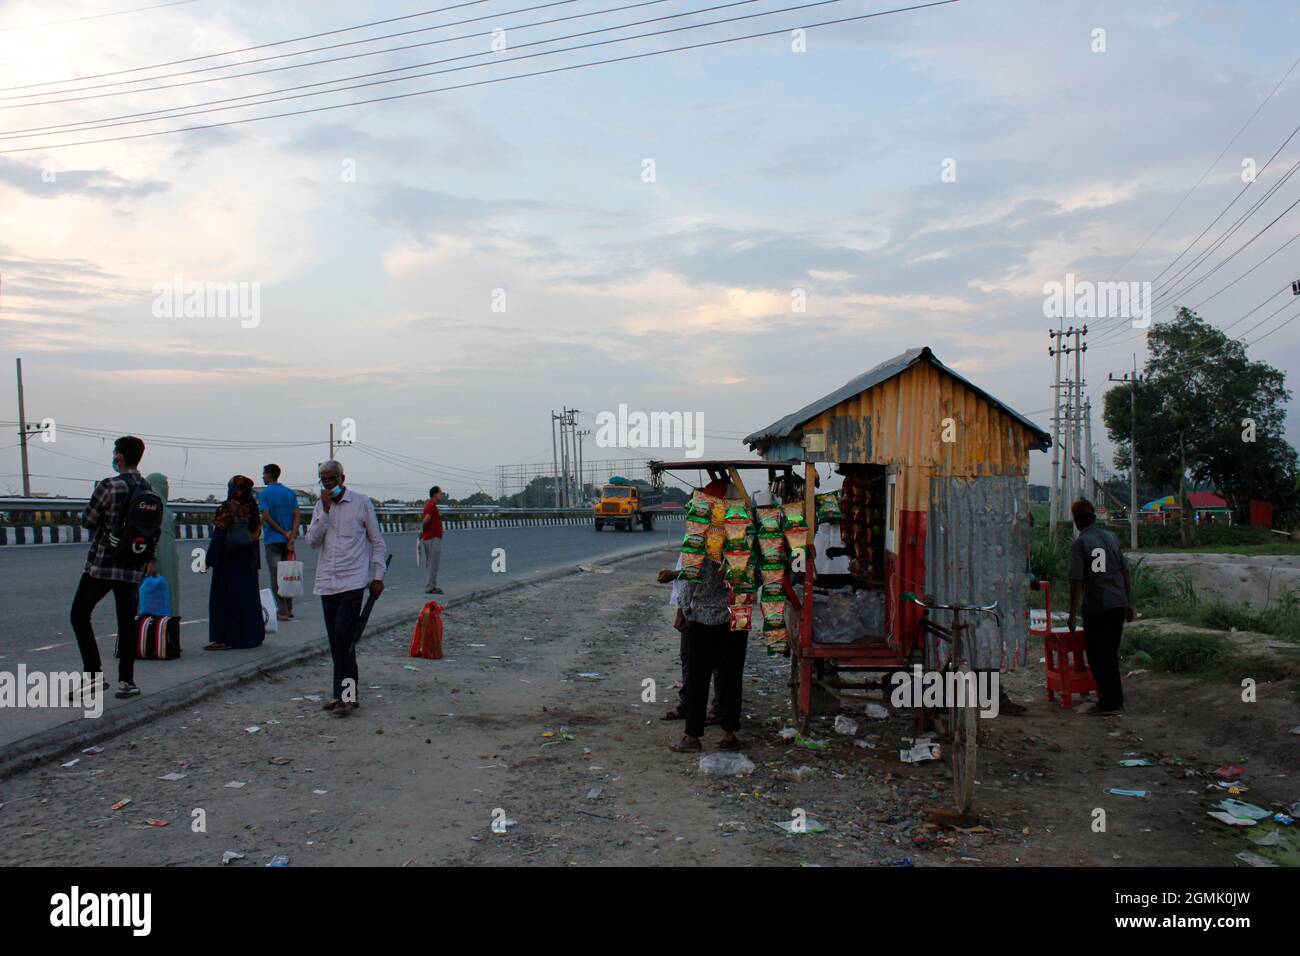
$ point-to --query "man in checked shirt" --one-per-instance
(103, 575)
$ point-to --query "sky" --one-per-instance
(445, 269)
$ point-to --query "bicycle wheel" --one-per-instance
(963, 733)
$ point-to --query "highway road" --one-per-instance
(37, 583)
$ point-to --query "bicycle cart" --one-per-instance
(934, 503)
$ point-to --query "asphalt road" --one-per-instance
(37, 583)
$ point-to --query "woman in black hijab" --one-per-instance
(234, 605)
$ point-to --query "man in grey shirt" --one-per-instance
(1099, 575)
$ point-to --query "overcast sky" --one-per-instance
(378, 234)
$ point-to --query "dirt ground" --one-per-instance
(505, 727)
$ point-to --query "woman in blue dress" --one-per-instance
(234, 605)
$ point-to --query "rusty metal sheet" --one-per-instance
(976, 551)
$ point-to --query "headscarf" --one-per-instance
(238, 506)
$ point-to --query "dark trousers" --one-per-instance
(686, 675)
(714, 649)
(342, 615)
(90, 591)
(1101, 636)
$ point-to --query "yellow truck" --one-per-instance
(625, 504)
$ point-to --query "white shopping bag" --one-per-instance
(269, 620)
(288, 578)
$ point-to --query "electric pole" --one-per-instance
(331, 458)
(1090, 476)
(555, 460)
(1133, 380)
(1054, 508)
(22, 432)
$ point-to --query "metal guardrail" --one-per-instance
(77, 505)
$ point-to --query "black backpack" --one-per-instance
(133, 541)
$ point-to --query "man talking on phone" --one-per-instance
(345, 530)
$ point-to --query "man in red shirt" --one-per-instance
(431, 540)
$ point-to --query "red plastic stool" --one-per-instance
(1065, 659)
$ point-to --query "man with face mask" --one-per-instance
(345, 530)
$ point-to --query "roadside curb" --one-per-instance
(74, 735)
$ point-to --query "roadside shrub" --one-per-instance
(1177, 653)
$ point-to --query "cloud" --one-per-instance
(52, 182)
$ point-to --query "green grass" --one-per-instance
(1207, 655)
(1281, 547)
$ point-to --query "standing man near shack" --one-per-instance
(431, 540)
(352, 551)
(1098, 574)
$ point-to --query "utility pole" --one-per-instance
(1090, 484)
(22, 432)
(565, 458)
(555, 461)
(331, 458)
(1054, 509)
(1133, 380)
(582, 477)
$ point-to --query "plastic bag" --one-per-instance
(726, 764)
(288, 578)
(426, 639)
(155, 601)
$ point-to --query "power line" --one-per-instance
(177, 112)
(96, 16)
(560, 69)
(298, 66)
(246, 49)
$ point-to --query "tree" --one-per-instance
(479, 498)
(1206, 413)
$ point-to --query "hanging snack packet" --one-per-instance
(696, 535)
(700, 507)
(738, 535)
(773, 580)
(714, 539)
(828, 508)
(773, 612)
(717, 512)
(738, 566)
(737, 510)
(769, 518)
(776, 640)
(796, 538)
(794, 516)
(742, 616)
(740, 595)
(692, 566)
(772, 547)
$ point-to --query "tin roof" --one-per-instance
(868, 380)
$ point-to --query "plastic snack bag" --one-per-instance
(769, 518)
(692, 566)
(794, 516)
(772, 547)
(714, 539)
(828, 508)
(742, 616)
(696, 535)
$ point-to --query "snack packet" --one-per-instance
(738, 535)
(828, 508)
(773, 580)
(737, 509)
(714, 539)
(692, 566)
(773, 612)
(776, 639)
(737, 564)
(696, 535)
(772, 547)
(793, 513)
(700, 507)
(796, 538)
(741, 596)
(742, 616)
(769, 518)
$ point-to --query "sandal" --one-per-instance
(687, 746)
(675, 714)
(735, 743)
(712, 719)
(217, 646)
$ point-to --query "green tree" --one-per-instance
(1206, 414)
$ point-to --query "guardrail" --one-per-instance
(58, 520)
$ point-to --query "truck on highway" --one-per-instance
(626, 504)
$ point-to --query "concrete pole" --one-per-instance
(1054, 509)
(555, 462)
(22, 433)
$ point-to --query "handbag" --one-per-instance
(288, 577)
(238, 537)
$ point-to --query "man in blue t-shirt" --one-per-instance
(280, 516)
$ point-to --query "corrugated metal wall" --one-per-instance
(901, 422)
(977, 550)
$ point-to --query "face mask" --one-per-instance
(337, 492)
(113, 464)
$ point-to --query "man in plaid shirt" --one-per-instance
(104, 575)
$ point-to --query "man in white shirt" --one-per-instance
(345, 530)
